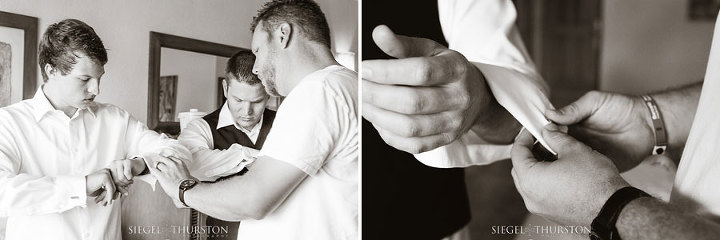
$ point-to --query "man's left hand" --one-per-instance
(426, 98)
(570, 190)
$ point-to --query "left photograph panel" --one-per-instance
(179, 119)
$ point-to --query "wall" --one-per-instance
(124, 27)
(650, 45)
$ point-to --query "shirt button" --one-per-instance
(87, 235)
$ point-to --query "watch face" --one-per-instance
(187, 184)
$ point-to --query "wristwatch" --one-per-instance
(603, 226)
(185, 185)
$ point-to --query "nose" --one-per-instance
(94, 86)
(255, 69)
(247, 109)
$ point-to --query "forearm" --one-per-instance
(210, 164)
(231, 200)
(648, 218)
(23, 194)
(220, 200)
(678, 109)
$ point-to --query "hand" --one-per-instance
(426, 98)
(100, 185)
(617, 125)
(123, 171)
(170, 172)
(570, 190)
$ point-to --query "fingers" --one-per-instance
(576, 111)
(421, 62)
(415, 145)
(99, 198)
(400, 46)
(426, 71)
(127, 169)
(412, 125)
(521, 153)
(561, 142)
(412, 100)
(109, 186)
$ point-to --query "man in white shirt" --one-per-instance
(61, 147)
(583, 187)
(226, 140)
(303, 184)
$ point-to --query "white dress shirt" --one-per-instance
(316, 131)
(485, 33)
(698, 175)
(209, 164)
(45, 156)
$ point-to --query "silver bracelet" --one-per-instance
(658, 126)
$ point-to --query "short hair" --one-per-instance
(60, 42)
(240, 66)
(303, 14)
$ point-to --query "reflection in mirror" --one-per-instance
(188, 80)
(185, 74)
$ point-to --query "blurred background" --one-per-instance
(626, 46)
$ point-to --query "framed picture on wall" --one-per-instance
(703, 10)
(18, 57)
(168, 98)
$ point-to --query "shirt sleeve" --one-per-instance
(485, 33)
(23, 194)
(208, 164)
(148, 144)
(305, 127)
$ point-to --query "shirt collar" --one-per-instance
(225, 119)
(43, 106)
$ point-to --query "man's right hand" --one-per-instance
(615, 125)
(100, 185)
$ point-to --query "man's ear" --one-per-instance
(285, 32)
(49, 70)
(225, 87)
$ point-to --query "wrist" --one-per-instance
(138, 166)
(641, 109)
(604, 225)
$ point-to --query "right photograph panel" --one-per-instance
(523, 119)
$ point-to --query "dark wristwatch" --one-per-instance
(603, 226)
(185, 185)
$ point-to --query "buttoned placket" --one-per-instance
(75, 126)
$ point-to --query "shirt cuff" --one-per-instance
(464, 152)
(75, 191)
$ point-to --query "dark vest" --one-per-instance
(223, 138)
(402, 198)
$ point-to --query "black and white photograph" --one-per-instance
(359, 119)
(180, 120)
(540, 119)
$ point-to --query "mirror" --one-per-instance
(184, 74)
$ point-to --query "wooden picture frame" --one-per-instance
(29, 25)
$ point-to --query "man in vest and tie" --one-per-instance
(225, 141)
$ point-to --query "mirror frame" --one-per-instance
(158, 41)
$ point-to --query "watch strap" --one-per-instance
(603, 226)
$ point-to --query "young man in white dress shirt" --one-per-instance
(61, 149)
(304, 184)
